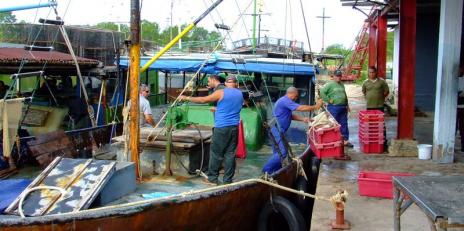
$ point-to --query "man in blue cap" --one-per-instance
(334, 94)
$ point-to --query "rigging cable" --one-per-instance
(191, 81)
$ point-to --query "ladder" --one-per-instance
(356, 61)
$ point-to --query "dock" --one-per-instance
(369, 213)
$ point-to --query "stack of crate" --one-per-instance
(371, 131)
(326, 142)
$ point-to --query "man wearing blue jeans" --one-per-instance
(283, 109)
(225, 133)
(334, 94)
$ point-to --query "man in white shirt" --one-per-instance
(145, 115)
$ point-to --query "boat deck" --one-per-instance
(155, 186)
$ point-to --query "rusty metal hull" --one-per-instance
(234, 207)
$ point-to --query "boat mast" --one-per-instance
(134, 84)
(254, 27)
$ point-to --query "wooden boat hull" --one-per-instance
(229, 207)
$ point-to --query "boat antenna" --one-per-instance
(311, 57)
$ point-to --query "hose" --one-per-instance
(197, 171)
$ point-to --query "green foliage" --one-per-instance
(7, 17)
(336, 49)
(390, 41)
(153, 35)
(150, 31)
(107, 26)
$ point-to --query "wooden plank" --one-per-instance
(178, 146)
(188, 135)
(51, 146)
(48, 146)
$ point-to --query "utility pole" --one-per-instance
(323, 17)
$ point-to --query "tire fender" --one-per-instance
(284, 207)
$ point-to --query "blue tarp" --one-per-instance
(10, 190)
(214, 66)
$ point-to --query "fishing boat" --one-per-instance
(263, 80)
(70, 193)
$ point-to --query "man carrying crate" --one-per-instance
(283, 114)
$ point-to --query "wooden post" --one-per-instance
(134, 86)
(449, 48)
(407, 69)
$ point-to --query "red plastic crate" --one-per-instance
(371, 137)
(371, 147)
(325, 135)
(370, 130)
(372, 124)
(377, 184)
(328, 150)
(371, 116)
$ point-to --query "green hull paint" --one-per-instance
(252, 122)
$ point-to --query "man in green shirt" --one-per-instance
(333, 93)
(375, 91)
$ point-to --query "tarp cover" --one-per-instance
(217, 64)
(10, 190)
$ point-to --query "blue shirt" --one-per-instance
(283, 112)
(228, 108)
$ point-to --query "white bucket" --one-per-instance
(425, 151)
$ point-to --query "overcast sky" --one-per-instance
(342, 27)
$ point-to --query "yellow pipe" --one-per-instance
(167, 47)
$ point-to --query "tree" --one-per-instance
(107, 26)
(150, 31)
(7, 17)
(336, 49)
(165, 35)
(6, 29)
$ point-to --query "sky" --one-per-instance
(280, 19)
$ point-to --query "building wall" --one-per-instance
(427, 29)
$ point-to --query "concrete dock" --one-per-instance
(368, 213)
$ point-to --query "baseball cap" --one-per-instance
(338, 73)
(231, 78)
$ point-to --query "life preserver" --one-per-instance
(293, 220)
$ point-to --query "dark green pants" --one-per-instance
(223, 145)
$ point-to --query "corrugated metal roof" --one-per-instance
(14, 56)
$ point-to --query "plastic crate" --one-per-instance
(377, 184)
(369, 132)
(371, 137)
(372, 124)
(325, 135)
(328, 150)
(371, 116)
(371, 147)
